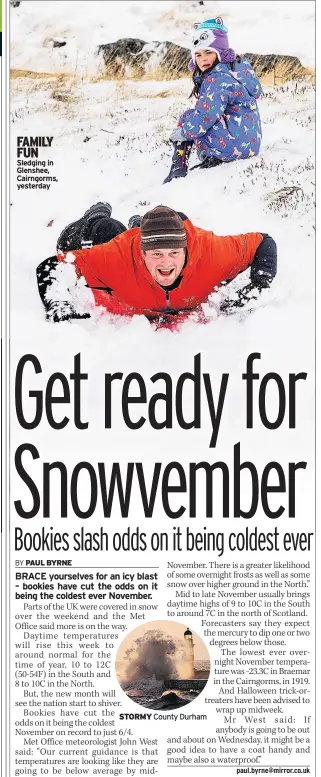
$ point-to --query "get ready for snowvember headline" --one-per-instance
(241, 490)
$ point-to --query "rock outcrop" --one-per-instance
(133, 58)
(278, 68)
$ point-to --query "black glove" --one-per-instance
(62, 311)
(263, 270)
(249, 293)
(264, 265)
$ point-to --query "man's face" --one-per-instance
(164, 264)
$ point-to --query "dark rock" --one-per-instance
(134, 58)
(57, 44)
(281, 67)
(15, 3)
(169, 701)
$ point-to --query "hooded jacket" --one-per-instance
(226, 118)
(120, 281)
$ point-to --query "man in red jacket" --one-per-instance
(160, 268)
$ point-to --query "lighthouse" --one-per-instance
(189, 646)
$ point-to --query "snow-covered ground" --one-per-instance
(124, 160)
(110, 142)
(263, 27)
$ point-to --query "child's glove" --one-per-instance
(177, 135)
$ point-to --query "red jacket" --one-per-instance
(120, 281)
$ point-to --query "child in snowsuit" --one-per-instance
(225, 123)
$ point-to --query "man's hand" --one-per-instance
(250, 292)
(63, 311)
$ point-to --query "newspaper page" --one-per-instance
(159, 411)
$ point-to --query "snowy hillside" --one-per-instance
(264, 27)
(111, 143)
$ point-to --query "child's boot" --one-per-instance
(208, 161)
(134, 221)
(180, 160)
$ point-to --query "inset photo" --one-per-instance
(162, 665)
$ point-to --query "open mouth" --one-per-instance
(165, 273)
